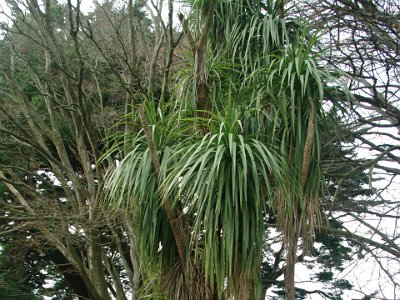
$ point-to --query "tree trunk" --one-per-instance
(290, 291)
(96, 268)
(71, 275)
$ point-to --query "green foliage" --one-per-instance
(332, 254)
(324, 276)
(16, 282)
(224, 179)
(343, 284)
(266, 89)
(3, 189)
(134, 184)
(12, 289)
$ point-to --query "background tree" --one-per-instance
(55, 113)
(361, 38)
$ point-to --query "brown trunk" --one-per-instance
(282, 8)
(71, 275)
(96, 269)
(203, 104)
(263, 293)
(290, 291)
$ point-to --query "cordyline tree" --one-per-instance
(362, 38)
(238, 138)
(149, 159)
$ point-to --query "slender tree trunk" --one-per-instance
(263, 293)
(282, 8)
(290, 290)
(96, 268)
(71, 275)
(293, 237)
(203, 103)
(135, 266)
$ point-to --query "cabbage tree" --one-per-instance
(199, 185)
